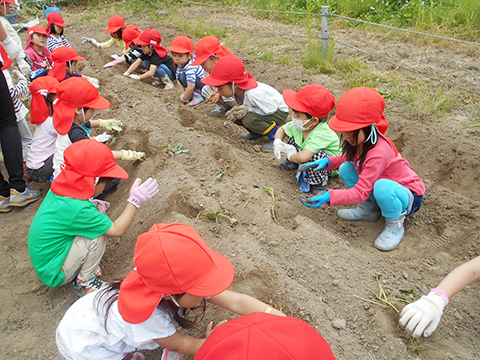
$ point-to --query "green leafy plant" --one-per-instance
(175, 150)
(224, 171)
(218, 217)
(271, 203)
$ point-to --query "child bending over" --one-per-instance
(130, 33)
(309, 137)
(65, 65)
(175, 270)
(155, 59)
(376, 175)
(116, 25)
(260, 108)
(66, 240)
(189, 77)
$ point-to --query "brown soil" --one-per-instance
(308, 262)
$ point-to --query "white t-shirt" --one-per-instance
(264, 100)
(43, 144)
(81, 333)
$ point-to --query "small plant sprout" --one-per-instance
(174, 150)
(218, 217)
(382, 295)
(271, 204)
(224, 171)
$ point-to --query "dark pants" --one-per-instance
(260, 123)
(44, 173)
(11, 143)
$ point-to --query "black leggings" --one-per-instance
(10, 142)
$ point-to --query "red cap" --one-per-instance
(265, 336)
(182, 45)
(84, 161)
(358, 108)
(35, 29)
(129, 34)
(10, 2)
(39, 88)
(54, 18)
(208, 46)
(6, 60)
(115, 23)
(73, 94)
(313, 99)
(60, 57)
(230, 69)
(152, 37)
(171, 259)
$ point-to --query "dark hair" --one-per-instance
(52, 30)
(351, 150)
(119, 33)
(49, 101)
(106, 297)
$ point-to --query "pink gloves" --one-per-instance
(101, 205)
(140, 193)
(110, 64)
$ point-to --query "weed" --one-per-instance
(271, 203)
(416, 345)
(225, 167)
(218, 217)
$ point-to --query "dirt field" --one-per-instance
(309, 263)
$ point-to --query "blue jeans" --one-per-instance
(392, 198)
(162, 70)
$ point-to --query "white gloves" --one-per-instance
(24, 67)
(111, 124)
(279, 148)
(19, 74)
(423, 316)
(92, 81)
(126, 73)
(131, 155)
(103, 138)
(11, 47)
(133, 76)
(237, 112)
(90, 40)
(116, 57)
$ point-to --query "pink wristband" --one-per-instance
(438, 291)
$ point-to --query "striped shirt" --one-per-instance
(17, 92)
(188, 73)
(53, 42)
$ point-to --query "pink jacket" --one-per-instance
(380, 163)
(39, 61)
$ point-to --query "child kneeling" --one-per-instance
(66, 240)
(309, 137)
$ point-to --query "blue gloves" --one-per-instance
(322, 163)
(317, 201)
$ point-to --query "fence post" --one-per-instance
(324, 29)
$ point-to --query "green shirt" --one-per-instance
(321, 138)
(52, 232)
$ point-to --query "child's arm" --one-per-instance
(139, 193)
(423, 316)
(241, 304)
(21, 89)
(187, 94)
(151, 72)
(133, 67)
(180, 87)
(302, 157)
(182, 344)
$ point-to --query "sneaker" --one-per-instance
(18, 199)
(84, 287)
(170, 355)
(268, 147)
(197, 99)
(5, 204)
(219, 110)
(168, 82)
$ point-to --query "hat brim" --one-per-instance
(290, 98)
(99, 103)
(342, 126)
(11, 2)
(219, 281)
(136, 302)
(178, 50)
(114, 29)
(209, 80)
(58, 23)
(116, 172)
(199, 60)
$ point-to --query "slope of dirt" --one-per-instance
(308, 262)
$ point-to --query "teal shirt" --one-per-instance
(52, 232)
(321, 138)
